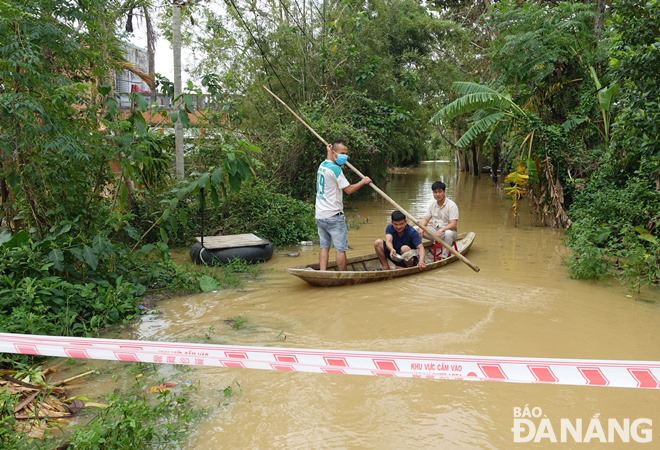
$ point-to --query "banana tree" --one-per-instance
(605, 100)
(496, 113)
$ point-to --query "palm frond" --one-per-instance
(468, 87)
(151, 82)
(479, 127)
(471, 102)
(571, 123)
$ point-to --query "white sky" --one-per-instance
(164, 57)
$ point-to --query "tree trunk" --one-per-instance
(600, 16)
(475, 159)
(497, 148)
(151, 48)
(178, 126)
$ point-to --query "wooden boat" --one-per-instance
(365, 269)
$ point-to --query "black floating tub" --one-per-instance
(251, 254)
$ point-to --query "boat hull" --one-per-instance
(368, 264)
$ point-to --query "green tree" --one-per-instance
(368, 71)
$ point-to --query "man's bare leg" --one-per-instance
(323, 258)
(341, 261)
(380, 251)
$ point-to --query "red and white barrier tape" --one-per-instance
(631, 374)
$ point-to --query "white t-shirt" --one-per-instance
(330, 181)
(442, 215)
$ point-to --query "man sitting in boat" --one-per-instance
(400, 238)
(443, 217)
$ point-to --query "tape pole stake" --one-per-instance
(577, 372)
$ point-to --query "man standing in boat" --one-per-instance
(400, 238)
(330, 186)
(443, 217)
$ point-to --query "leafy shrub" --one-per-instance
(9, 437)
(276, 217)
(615, 227)
(64, 286)
(133, 422)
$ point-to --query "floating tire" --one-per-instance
(251, 255)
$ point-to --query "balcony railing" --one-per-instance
(164, 101)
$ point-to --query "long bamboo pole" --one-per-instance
(383, 194)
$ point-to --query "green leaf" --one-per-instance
(469, 103)
(183, 217)
(14, 181)
(123, 195)
(163, 235)
(188, 100)
(595, 77)
(648, 237)
(606, 97)
(185, 120)
(468, 87)
(571, 123)
(5, 236)
(139, 122)
(235, 182)
(146, 249)
(645, 235)
(17, 240)
(105, 89)
(214, 196)
(479, 127)
(174, 117)
(208, 284)
(243, 169)
(216, 177)
(111, 105)
(65, 229)
(56, 256)
(132, 232)
(77, 253)
(230, 164)
(203, 180)
(602, 235)
(141, 102)
(90, 257)
(532, 171)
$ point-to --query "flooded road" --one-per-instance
(522, 303)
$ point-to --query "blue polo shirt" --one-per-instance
(409, 237)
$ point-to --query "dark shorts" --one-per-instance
(415, 259)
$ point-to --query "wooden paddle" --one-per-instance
(383, 194)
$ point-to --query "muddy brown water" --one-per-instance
(522, 303)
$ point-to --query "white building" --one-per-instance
(125, 80)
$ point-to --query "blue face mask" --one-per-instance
(341, 159)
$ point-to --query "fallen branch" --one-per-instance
(42, 416)
(22, 404)
(73, 378)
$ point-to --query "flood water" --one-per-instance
(522, 303)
